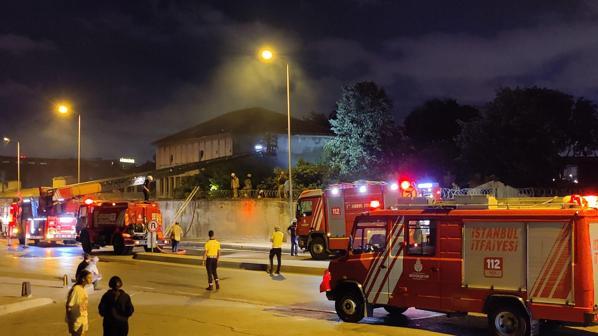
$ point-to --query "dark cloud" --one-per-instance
(139, 70)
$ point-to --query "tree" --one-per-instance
(364, 130)
(432, 130)
(523, 133)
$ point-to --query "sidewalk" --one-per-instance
(249, 246)
(299, 265)
(43, 292)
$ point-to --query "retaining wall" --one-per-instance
(243, 220)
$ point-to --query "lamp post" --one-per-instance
(267, 55)
(65, 109)
(7, 140)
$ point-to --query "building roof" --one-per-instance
(255, 120)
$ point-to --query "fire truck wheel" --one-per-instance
(508, 320)
(350, 306)
(85, 242)
(395, 310)
(317, 249)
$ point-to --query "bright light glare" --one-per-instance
(66, 219)
(5, 139)
(425, 185)
(363, 189)
(592, 201)
(88, 201)
(405, 185)
(394, 186)
(334, 191)
(63, 109)
(375, 204)
(266, 54)
(258, 148)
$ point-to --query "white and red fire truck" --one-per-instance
(325, 217)
(518, 261)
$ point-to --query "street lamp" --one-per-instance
(7, 140)
(267, 55)
(64, 109)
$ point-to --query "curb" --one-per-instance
(198, 245)
(26, 304)
(238, 264)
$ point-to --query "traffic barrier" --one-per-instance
(26, 289)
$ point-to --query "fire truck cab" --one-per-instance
(325, 217)
(122, 224)
(514, 260)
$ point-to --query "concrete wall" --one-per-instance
(249, 220)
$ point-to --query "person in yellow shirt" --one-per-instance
(77, 303)
(176, 233)
(276, 250)
(211, 256)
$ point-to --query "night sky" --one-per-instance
(139, 70)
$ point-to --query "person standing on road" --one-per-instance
(82, 265)
(175, 235)
(292, 230)
(234, 185)
(116, 308)
(276, 250)
(77, 303)
(92, 268)
(210, 257)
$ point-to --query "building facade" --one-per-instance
(241, 132)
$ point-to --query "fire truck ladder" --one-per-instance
(182, 208)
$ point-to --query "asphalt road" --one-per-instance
(171, 300)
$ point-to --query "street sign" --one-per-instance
(152, 226)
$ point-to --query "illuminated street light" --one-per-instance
(64, 108)
(267, 55)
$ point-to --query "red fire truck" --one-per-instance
(122, 224)
(517, 262)
(325, 217)
(33, 218)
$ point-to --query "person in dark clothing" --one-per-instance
(83, 264)
(146, 188)
(292, 229)
(116, 308)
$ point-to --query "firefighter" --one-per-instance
(210, 258)
(247, 186)
(276, 250)
(146, 187)
(234, 185)
(292, 230)
(175, 236)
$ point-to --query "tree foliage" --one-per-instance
(523, 133)
(364, 130)
(431, 131)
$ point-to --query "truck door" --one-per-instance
(418, 284)
(305, 215)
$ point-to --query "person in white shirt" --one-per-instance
(93, 269)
